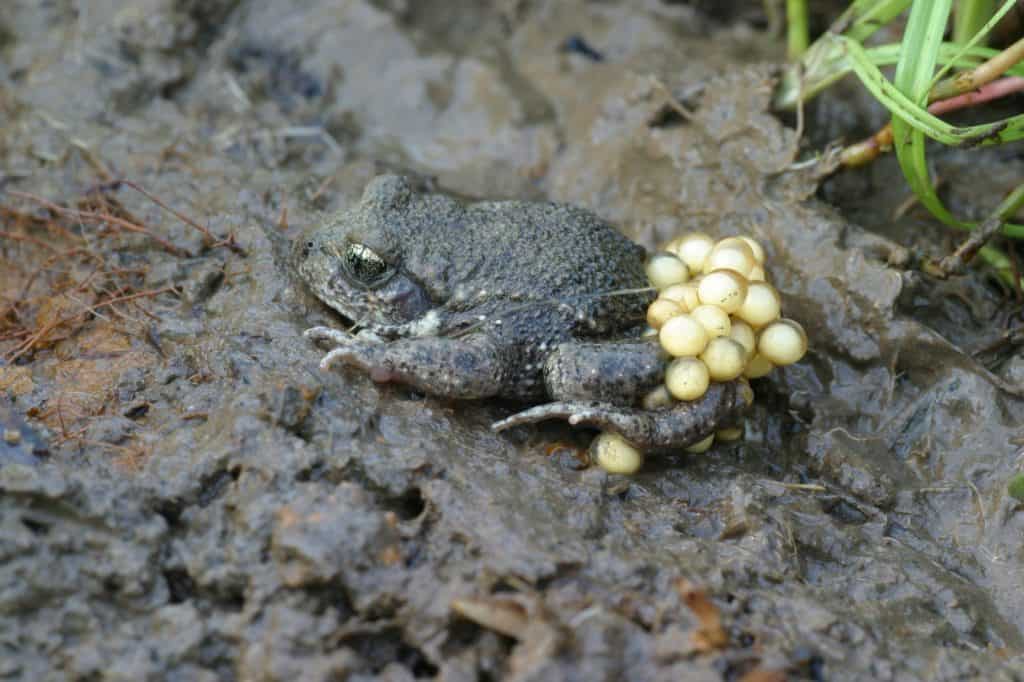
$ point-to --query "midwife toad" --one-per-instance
(514, 299)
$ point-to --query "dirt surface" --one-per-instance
(190, 498)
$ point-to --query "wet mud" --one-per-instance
(189, 497)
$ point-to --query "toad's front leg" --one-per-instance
(682, 425)
(466, 368)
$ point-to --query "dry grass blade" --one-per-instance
(29, 343)
(212, 241)
(505, 616)
(89, 216)
(710, 634)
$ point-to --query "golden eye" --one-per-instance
(364, 265)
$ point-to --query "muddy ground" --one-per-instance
(192, 499)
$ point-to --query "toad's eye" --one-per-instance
(364, 266)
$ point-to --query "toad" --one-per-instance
(530, 301)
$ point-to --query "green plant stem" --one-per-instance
(797, 31)
(982, 74)
(969, 17)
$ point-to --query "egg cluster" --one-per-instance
(719, 319)
(716, 314)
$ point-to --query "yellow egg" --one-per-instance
(657, 399)
(746, 392)
(661, 311)
(757, 274)
(761, 306)
(729, 435)
(615, 454)
(724, 358)
(683, 336)
(730, 254)
(665, 269)
(714, 319)
(683, 294)
(694, 249)
(783, 342)
(758, 367)
(743, 334)
(726, 289)
(687, 378)
(702, 446)
(755, 248)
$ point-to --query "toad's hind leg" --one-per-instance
(452, 368)
(682, 425)
(618, 373)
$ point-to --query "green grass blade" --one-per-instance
(976, 37)
(914, 71)
(918, 118)
(969, 17)
(827, 61)
(797, 31)
(867, 16)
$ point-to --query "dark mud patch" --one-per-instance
(192, 498)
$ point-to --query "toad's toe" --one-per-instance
(335, 336)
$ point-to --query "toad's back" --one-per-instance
(561, 259)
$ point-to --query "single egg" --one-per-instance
(714, 319)
(683, 294)
(725, 358)
(783, 342)
(694, 249)
(615, 454)
(726, 289)
(658, 399)
(761, 306)
(702, 446)
(683, 336)
(743, 334)
(665, 269)
(758, 366)
(729, 435)
(755, 248)
(730, 254)
(746, 392)
(687, 378)
(661, 311)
